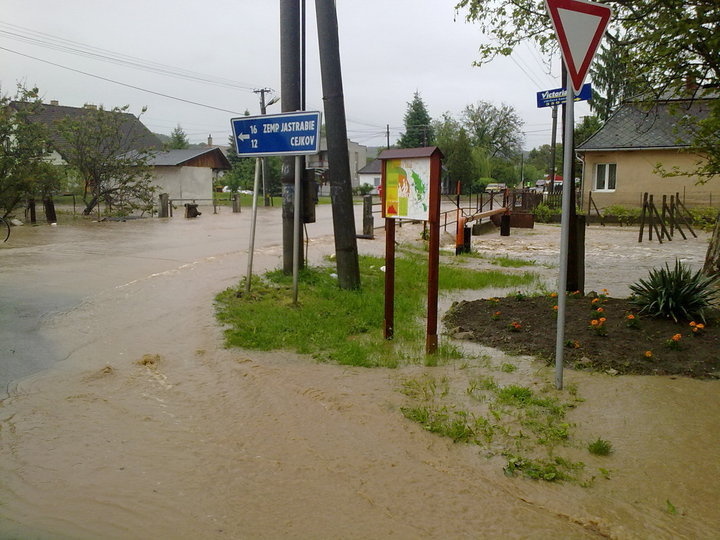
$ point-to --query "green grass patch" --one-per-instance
(510, 262)
(550, 470)
(503, 260)
(515, 421)
(600, 447)
(345, 326)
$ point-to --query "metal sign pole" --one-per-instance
(296, 229)
(252, 225)
(568, 185)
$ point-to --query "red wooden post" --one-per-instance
(431, 339)
(389, 322)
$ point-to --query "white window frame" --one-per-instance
(605, 175)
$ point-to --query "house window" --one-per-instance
(605, 175)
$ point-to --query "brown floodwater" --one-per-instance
(142, 425)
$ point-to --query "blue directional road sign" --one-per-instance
(548, 98)
(287, 134)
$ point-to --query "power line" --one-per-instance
(530, 77)
(81, 49)
(122, 83)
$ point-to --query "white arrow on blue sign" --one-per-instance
(286, 134)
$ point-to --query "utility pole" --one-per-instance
(575, 280)
(290, 90)
(387, 135)
(339, 162)
(553, 147)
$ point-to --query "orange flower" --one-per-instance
(553, 294)
(600, 310)
(594, 322)
(700, 326)
(677, 337)
(692, 323)
(648, 354)
(602, 320)
(594, 300)
(555, 308)
(497, 313)
(630, 317)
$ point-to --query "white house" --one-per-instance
(188, 174)
(371, 175)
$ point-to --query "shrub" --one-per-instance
(624, 214)
(676, 293)
(363, 189)
(545, 214)
(704, 218)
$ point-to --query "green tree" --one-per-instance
(496, 129)
(242, 174)
(614, 79)
(505, 171)
(178, 139)
(24, 170)
(419, 131)
(460, 163)
(541, 158)
(586, 128)
(109, 152)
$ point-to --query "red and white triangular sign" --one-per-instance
(579, 26)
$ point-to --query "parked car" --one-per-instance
(495, 187)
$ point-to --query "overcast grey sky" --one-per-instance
(389, 49)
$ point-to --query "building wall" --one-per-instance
(635, 176)
(358, 159)
(357, 155)
(184, 182)
(371, 180)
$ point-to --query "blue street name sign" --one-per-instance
(548, 98)
(287, 134)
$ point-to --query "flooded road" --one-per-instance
(46, 271)
(137, 423)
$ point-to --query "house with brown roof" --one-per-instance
(182, 174)
(620, 161)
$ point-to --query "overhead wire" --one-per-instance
(183, 100)
(88, 51)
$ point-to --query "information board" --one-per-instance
(407, 188)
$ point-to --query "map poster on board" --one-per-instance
(407, 189)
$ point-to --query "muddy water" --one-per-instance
(148, 428)
(613, 256)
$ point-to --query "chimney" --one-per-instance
(209, 140)
(54, 102)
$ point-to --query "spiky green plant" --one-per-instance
(676, 293)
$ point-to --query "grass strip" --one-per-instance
(346, 326)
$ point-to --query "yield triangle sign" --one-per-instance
(579, 26)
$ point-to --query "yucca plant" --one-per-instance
(676, 293)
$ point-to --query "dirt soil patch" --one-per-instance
(528, 324)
